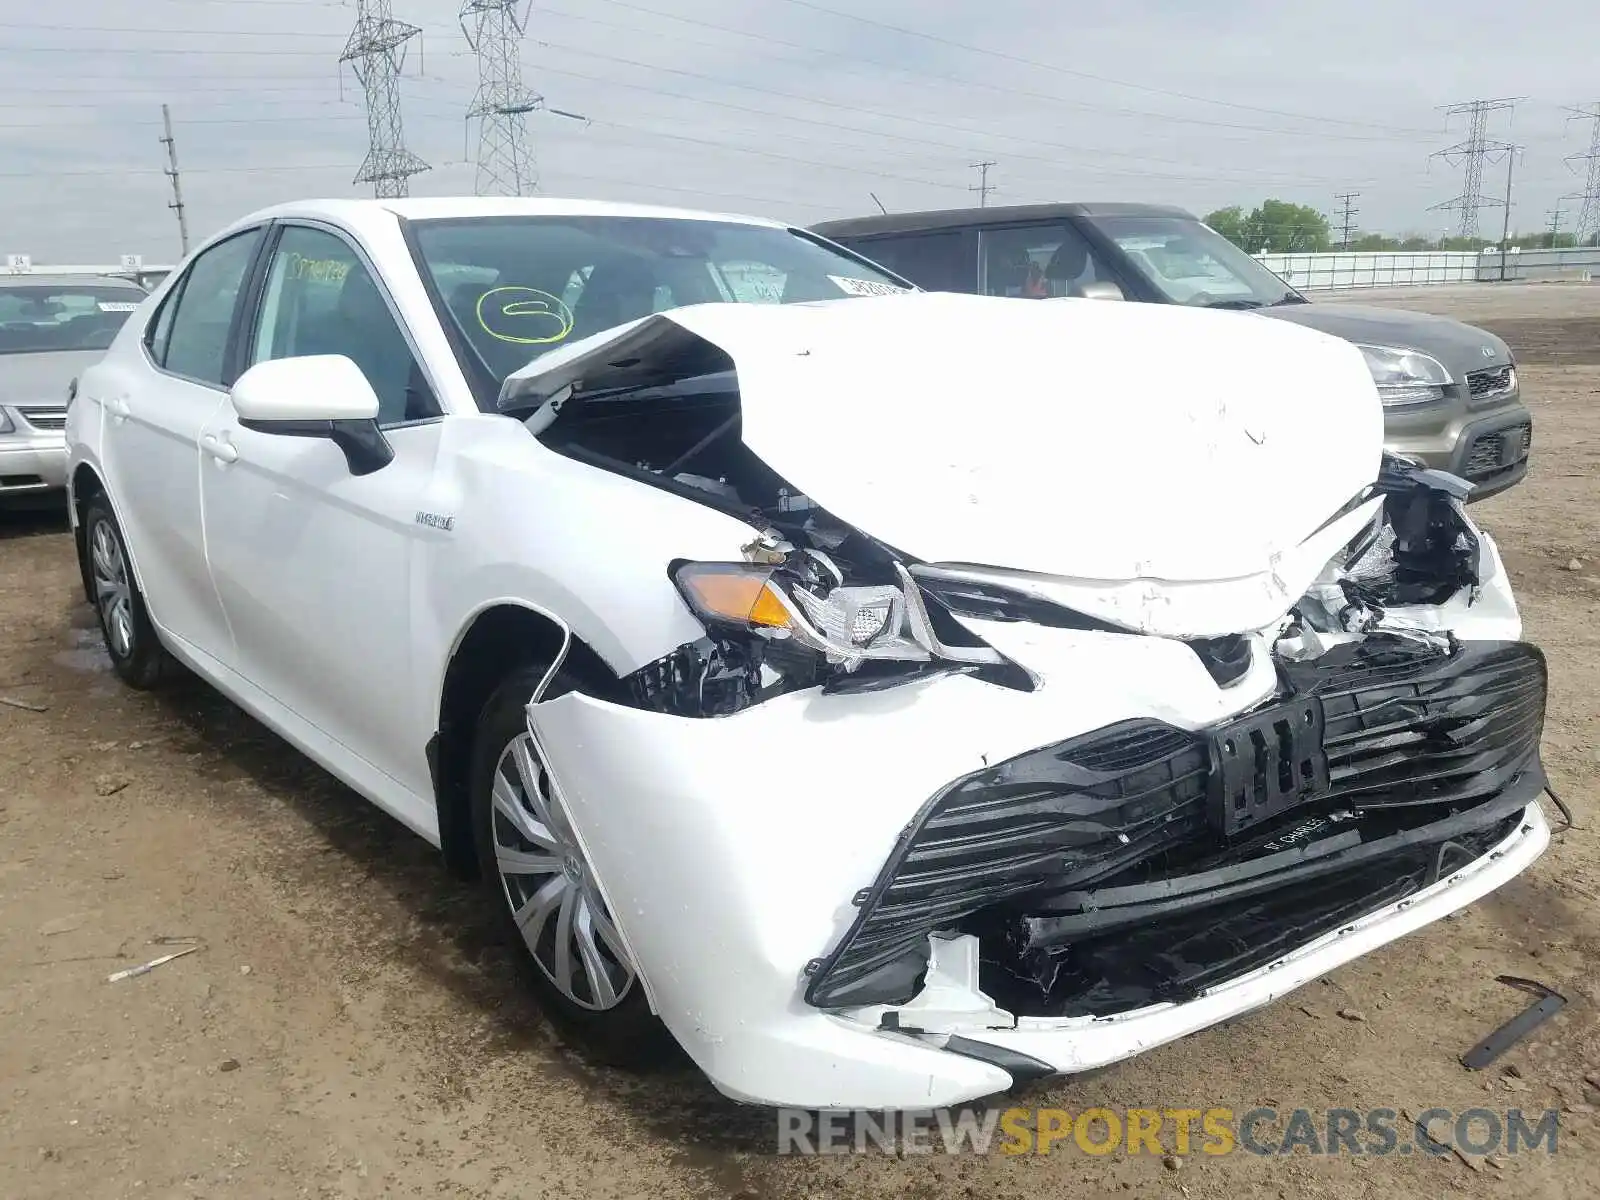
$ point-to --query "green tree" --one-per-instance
(1274, 225)
(1229, 222)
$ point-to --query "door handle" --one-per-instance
(118, 407)
(222, 451)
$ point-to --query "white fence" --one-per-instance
(1315, 272)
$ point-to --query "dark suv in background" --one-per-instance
(1450, 391)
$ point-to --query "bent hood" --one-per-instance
(1091, 443)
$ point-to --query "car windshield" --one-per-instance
(1190, 263)
(39, 317)
(519, 286)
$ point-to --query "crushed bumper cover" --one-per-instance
(734, 851)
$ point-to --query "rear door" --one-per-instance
(155, 408)
(940, 260)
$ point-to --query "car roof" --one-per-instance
(44, 277)
(368, 214)
(999, 214)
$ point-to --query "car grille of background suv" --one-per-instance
(1408, 728)
(1495, 451)
(44, 418)
(1493, 382)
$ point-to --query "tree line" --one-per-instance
(1280, 227)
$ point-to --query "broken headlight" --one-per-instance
(807, 606)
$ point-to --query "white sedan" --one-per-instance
(887, 696)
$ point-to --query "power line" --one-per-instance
(1589, 213)
(1043, 66)
(1396, 132)
(1555, 215)
(983, 187)
(923, 121)
(1347, 215)
(376, 51)
(1475, 150)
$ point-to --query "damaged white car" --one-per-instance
(887, 696)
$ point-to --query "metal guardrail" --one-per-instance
(1366, 269)
(131, 266)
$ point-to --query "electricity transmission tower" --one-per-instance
(983, 187)
(505, 153)
(376, 51)
(1473, 152)
(1589, 214)
(1347, 216)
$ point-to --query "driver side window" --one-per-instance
(1038, 261)
(321, 299)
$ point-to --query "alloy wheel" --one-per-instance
(112, 590)
(550, 888)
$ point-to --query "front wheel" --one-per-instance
(136, 651)
(544, 892)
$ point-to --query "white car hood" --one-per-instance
(1123, 456)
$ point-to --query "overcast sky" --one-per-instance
(792, 108)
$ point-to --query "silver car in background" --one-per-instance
(51, 328)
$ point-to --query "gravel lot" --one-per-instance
(349, 1026)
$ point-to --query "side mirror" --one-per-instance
(318, 396)
(1102, 289)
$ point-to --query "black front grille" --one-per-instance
(1402, 728)
(1492, 382)
(1405, 724)
(1496, 451)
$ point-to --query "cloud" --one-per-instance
(785, 107)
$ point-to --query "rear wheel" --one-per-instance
(131, 640)
(544, 891)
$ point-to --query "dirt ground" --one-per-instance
(350, 1027)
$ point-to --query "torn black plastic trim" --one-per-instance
(1412, 735)
(1107, 909)
(1023, 1068)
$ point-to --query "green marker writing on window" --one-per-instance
(523, 315)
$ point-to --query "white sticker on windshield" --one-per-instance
(865, 287)
(116, 306)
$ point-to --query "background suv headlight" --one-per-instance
(1405, 376)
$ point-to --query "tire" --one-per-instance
(137, 655)
(612, 1022)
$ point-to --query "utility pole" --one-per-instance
(1589, 213)
(1472, 152)
(172, 174)
(376, 51)
(1505, 229)
(1347, 216)
(983, 187)
(1555, 215)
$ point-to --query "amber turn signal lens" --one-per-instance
(732, 592)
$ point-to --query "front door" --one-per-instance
(313, 564)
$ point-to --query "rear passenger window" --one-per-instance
(935, 262)
(196, 341)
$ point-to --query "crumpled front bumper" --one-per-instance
(734, 851)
